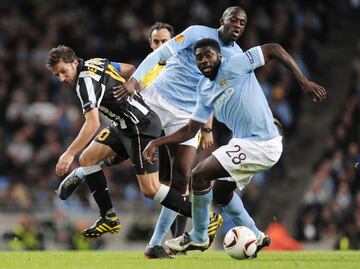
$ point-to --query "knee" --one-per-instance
(149, 189)
(221, 198)
(223, 192)
(87, 160)
(180, 178)
(198, 181)
(148, 192)
(180, 183)
(181, 172)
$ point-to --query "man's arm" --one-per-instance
(128, 88)
(127, 70)
(87, 132)
(207, 138)
(183, 134)
(276, 51)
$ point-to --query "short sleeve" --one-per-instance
(117, 66)
(246, 62)
(86, 88)
(201, 112)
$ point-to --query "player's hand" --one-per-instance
(150, 152)
(64, 163)
(126, 89)
(315, 91)
(207, 140)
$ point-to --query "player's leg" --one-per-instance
(109, 142)
(170, 118)
(207, 170)
(183, 156)
(242, 159)
(152, 188)
(148, 175)
(172, 202)
(223, 190)
(183, 159)
(232, 205)
(108, 221)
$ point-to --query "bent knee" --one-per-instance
(148, 192)
(198, 181)
(87, 160)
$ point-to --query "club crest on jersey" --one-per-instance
(223, 83)
(180, 38)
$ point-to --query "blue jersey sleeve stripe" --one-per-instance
(117, 66)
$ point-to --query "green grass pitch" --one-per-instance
(194, 260)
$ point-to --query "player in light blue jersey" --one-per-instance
(230, 90)
(173, 96)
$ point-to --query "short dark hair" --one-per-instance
(207, 42)
(161, 25)
(229, 10)
(61, 52)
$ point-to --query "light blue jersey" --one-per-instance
(236, 98)
(177, 82)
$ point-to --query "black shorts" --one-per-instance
(131, 144)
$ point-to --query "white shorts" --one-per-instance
(172, 118)
(243, 158)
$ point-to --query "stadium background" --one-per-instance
(314, 192)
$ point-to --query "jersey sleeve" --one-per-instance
(117, 66)
(159, 55)
(246, 62)
(185, 39)
(86, 91)
(201, 112)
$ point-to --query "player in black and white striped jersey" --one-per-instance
(134, 125)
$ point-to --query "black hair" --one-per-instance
(207, 42)
(161, 25)
(61, 52)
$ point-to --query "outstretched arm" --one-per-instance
(276, 51)
(183, 134)
(128, 88)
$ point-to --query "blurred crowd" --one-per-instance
(39, 117)
(331, 206)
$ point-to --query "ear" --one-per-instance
(220, 56)
(221, 21)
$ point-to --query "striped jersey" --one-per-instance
(96, 79)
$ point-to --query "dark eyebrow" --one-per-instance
(57, 73)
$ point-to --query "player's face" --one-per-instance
(159, 37)
(208, 61)
(233, 25)
(66, 72)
